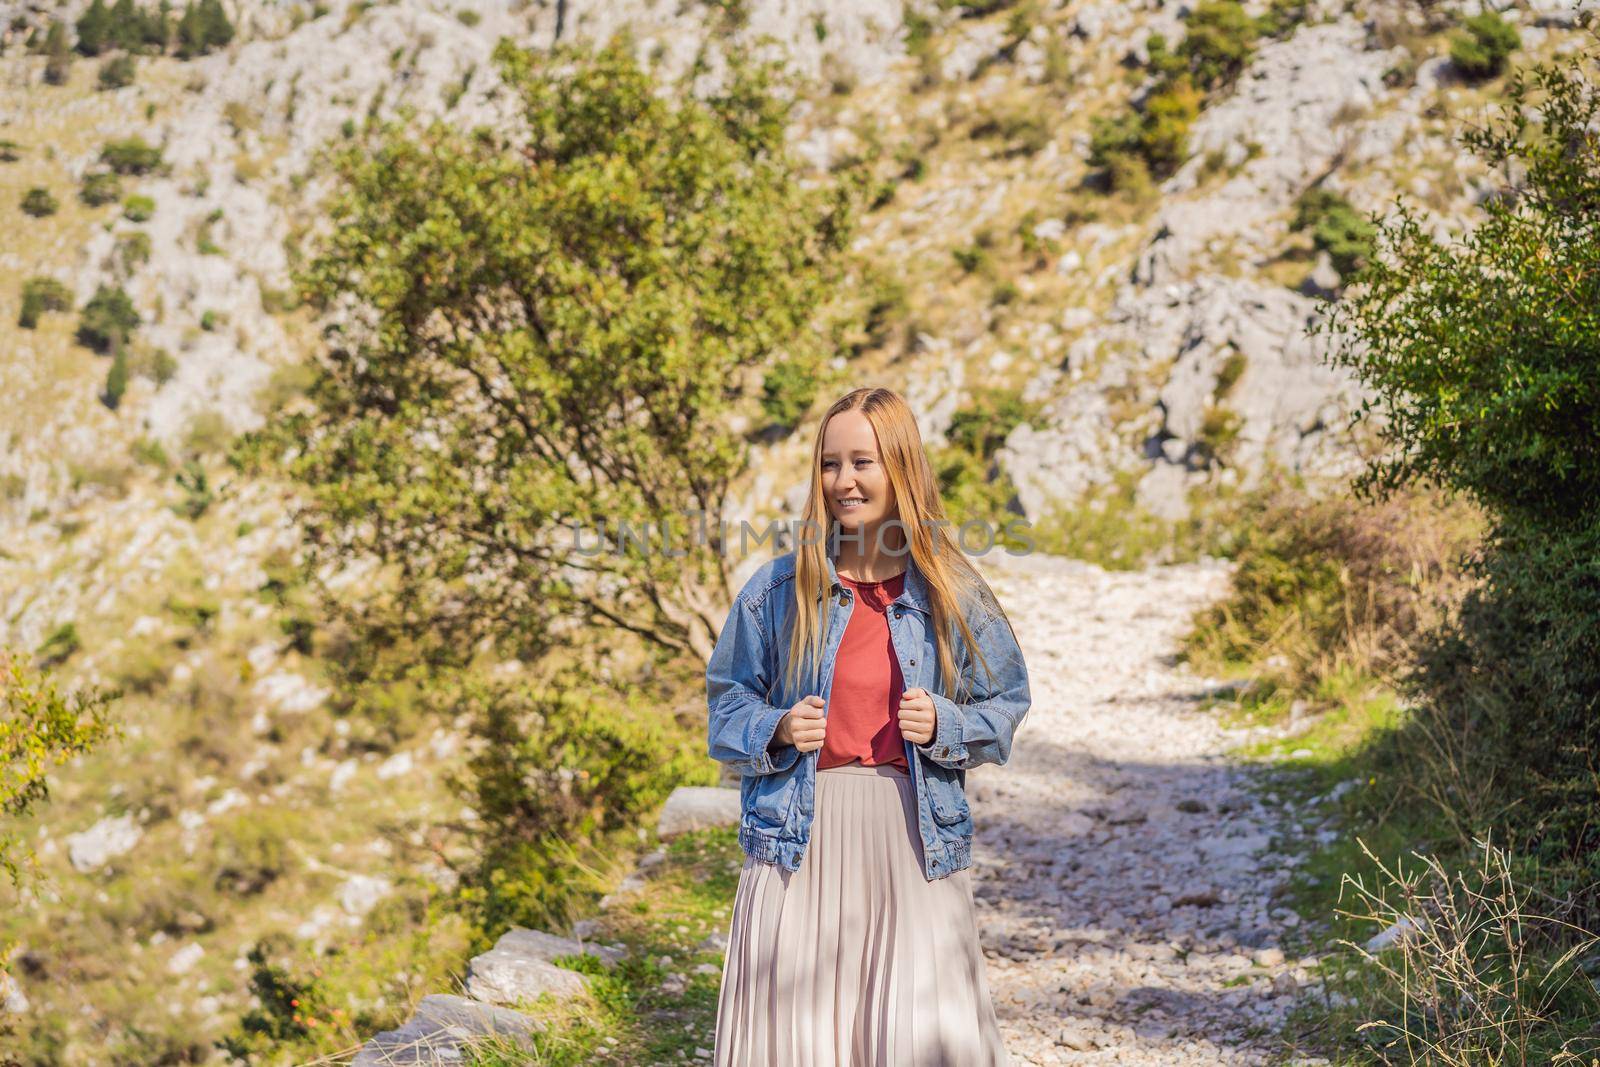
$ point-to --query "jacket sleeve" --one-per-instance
(741, 722)
(966, 735)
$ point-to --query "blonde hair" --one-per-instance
(951, 579)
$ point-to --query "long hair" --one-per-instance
(951, 579)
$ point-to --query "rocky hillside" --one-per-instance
(1157, 331)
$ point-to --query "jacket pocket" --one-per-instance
(949, 805)
(771, 798)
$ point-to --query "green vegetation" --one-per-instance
(1446, 636)
(40, 295)
(133, 28)
(1151, 142)
(1336, 228)
(116, 379)
(107, 320)
(1479, 50)
(99, 187)
(38, 728)
(39, 202)
(116, 72)
(131, 251)
(971, 482)
(632, 1013)
(59, 646)
(561, 341)
(131, 155)
(58, 49)
(138, 208)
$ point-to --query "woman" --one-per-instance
(853, 939)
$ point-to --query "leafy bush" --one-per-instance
(787, 391)
(117, 72)
(132, 250)
(40, 295)
(559, 771)
(100, 187)
(1336, 227)
(59, 646)
(39, 728)
(138, 208)
(1481, 47)
(1483, 359)
(1320, 586)
(39, 202)
(1219, 41)
(1152, 141)
(107, 319)
(131, 155)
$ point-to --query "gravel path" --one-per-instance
(1122, 869)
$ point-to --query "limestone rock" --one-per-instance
(697, 807)
(442, 1027)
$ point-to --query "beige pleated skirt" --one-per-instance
(856, 959)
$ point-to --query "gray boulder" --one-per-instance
(443, 1026)
(697, 807)
(519, 967)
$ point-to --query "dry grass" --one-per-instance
(1474, 976)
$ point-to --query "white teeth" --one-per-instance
(852, 500)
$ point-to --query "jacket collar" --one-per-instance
(914, 595)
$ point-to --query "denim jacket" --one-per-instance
(746, 696)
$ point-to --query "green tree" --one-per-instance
(58, 65)
(214, 20)
(554, 328)
(108, 319)
(40, 295)
(117, 379)
(39, 202)
(94, 29)
(1483, 360)
(125, 25)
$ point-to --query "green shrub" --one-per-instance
(38, 202)
(251, 850)
(1336, 227)
(1157, 137)
(138, 208)
(10, 151)
(100, 187)
(559, 772)
(59, 646)
(787, 391)
(131, 155)
(117, 379)
(1481, 47)
(132, 250)
(117, 72)
(1220, 40)
(108, 319)
(1481, 356)
(467, 16)
(40, 295)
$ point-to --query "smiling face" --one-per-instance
(854, 482)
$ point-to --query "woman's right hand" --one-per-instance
(802, 725)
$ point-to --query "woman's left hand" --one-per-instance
(917, 716)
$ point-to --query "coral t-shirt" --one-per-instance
(863, 706)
